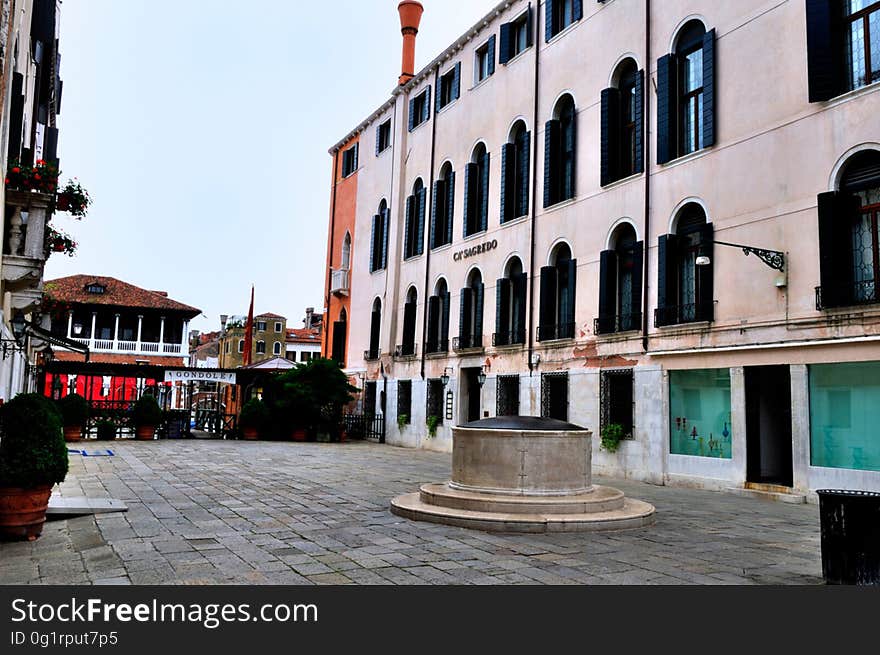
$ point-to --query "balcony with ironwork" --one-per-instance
(371, 355)
(439, 347)
(607, 325)
(556, 332)
(850, 294)
(406, 351)
(509, 339)
(683, 314)
(467, 343)
(24, 249)
(339, 281)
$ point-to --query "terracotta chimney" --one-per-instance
(410, 17)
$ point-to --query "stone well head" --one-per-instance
(525, 455)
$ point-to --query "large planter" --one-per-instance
(250, 434)
(23, 511)
(145, 432)
(72, 432)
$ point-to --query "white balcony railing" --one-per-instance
(130, 347)
(339, 281)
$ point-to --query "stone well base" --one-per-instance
(602, 508)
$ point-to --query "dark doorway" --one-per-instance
(470, 394)
(768, 425)
(554, 395)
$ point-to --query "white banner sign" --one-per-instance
(195, 375)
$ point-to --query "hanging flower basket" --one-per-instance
(74, 199)
(56, 241)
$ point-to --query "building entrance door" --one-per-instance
(470, 395)
(768, 425)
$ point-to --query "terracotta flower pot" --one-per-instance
(298, 434)
(145, 432)
(23, 511)
(72, 432)
(249, 433)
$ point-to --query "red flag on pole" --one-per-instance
(249, 332)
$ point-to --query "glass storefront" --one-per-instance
(699, 413)
(845, 415)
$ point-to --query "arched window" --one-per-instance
(241, 345)
(375, 328)
(684, 287)
(849, 235)
(340, 331)
(470, 324)
(442, 207)
(379, 239)
(510, 306)
(622, 119)
(438, 319)
(414, 233)
(559, 153)
(261, 347)
(346, 252)
(408, 347)
(620, 283)
(476, 192)
(276, 348)
(558, 283)
(686, 94)
(515, 173)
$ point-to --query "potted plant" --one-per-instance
(432, 421)
(254, 416)
(106, 429)
(74, 415)
(611, 436)
(33, 457)
(55, 241)
(402, 420)
(146, 415)
(74, 199)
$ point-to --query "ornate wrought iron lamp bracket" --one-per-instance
(773, 258)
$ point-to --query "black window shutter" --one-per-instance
(433, 321)
(548, 20)
(567, 314)
(373, 236)
(375, 326)
(436, 196)
(610, 139)
(577, 7)
(409, 326)
(378, 130)
(412, 114)
(570, 145)
(484, 182)
(505, 43)
(478, 314)
(444, 319)
(551, 161)
(639, 117)
(456, 82)
(470, 193)
(426, 108)
(520, 283)
(706, 276)
(607, 291)
(438, 97)
(524, 154)
(508, 177)
(450, 204)
(824, 50)
(502, 311)
(491, 49)
(339, 341)
(667, 287)
(547, 312)
(709, 89)
(666, 109)
(464, 313)
(420, 233)
(835, 247)
(407, 228)
(635, 309)
(529, 38)
(16, 116)
(385, 238)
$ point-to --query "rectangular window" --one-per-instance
(520, 35)
(699, 413)
(404, 400)
(447, 89)
(507, 403)
(383, 138)
(277, 326)
(291, 355)
(616, 400)
(349, 160)
(419, 109)
(434, 403)
(261, 326)
(562, 13)
(481, 63)
(554, 395)
(844, 414)
(261, 347)
(862, 42)
(304, 356)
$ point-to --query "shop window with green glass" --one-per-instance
(699, 413)
(844, 415)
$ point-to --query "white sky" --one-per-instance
(201, 129)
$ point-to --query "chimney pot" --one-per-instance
(410, 16)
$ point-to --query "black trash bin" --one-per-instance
(850, 522)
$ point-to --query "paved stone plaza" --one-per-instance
(291, 513)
